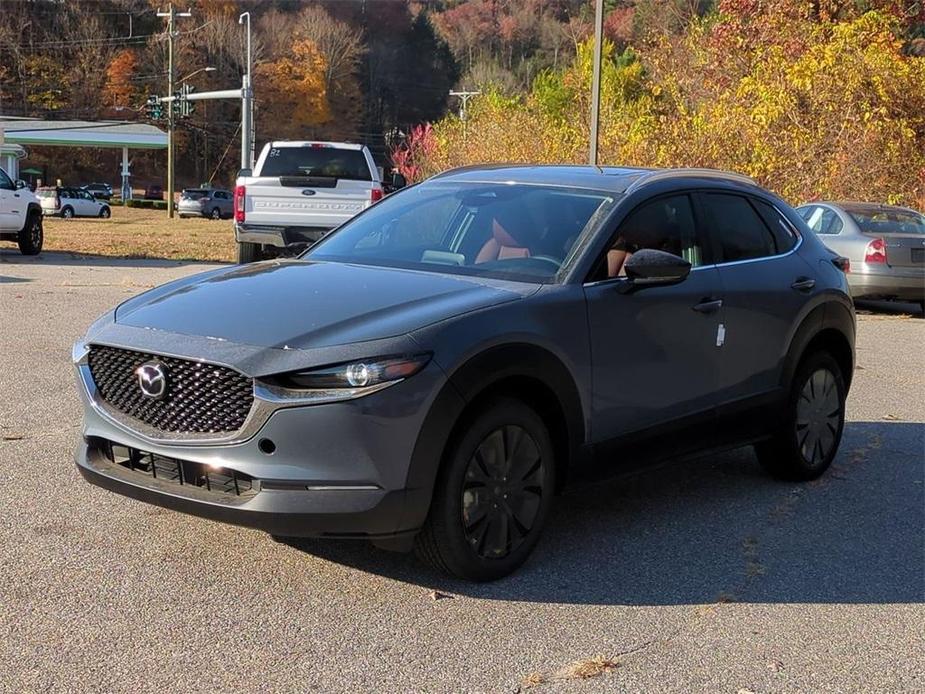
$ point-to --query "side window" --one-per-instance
(665, 224)
(822, 220)
(6, 183)
(741, 233)
(785, 237)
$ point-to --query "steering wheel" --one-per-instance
(548, 259)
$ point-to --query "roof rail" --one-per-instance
(660, 174)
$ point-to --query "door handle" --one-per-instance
(708, 305)
(803, 284)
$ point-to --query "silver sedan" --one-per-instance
(884, 244)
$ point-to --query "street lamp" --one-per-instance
(196, 72)
(247, 102)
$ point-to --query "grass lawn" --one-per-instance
(134, 233)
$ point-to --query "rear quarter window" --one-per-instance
(740, 230)
(785, 237)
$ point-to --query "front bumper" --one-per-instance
(340, 469)
(280, 236)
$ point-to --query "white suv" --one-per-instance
(20, 216)
(299, 191)
(69, 202)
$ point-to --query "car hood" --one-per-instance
(298, 304)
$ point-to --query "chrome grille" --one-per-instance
(201, 398)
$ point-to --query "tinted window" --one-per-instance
(327, 162)
(784, 236)
(740, 230)
(496, 230)
(666, 224)
(194, 194)
(821, 220)
(6, 182)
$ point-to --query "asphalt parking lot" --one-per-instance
(707, 576)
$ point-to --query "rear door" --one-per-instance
(654, 352)
(314, 185)
(765, 287)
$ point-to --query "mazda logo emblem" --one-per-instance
(152, 380)
(308, 191)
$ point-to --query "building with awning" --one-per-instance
(17, 133)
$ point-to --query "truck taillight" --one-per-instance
(239, 193)
(876, 252)
(375, 194)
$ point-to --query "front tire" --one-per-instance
(248, 252)
(32, 235)
(806, 442)
(492, 494)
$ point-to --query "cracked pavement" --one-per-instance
(703, 576)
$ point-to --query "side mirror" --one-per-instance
(20, 184)
(651, 268)
(398, 181)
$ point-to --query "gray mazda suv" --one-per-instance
(431, 374)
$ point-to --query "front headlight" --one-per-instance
(341, 381)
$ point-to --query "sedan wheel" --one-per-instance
(492, 494)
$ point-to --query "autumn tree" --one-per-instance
(293, 90)
(121, 89)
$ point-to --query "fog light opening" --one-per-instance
(266, 446)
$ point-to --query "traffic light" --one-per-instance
(153, 108)
(181, 107)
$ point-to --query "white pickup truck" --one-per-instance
(299, 191)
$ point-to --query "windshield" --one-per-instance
(322, 161)
(507, 231)
(886, 220)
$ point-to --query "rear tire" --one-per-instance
(248, 252)
(32, 235)
(105, 213)
(806, 442)
(67, 213)
(215, 213)
(492, 494)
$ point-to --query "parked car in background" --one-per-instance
(20, 216)
(65, 202)
(299, 191)
(434, 371)
(884, 244)
(101, 191)
(154, 192)
(213, 203)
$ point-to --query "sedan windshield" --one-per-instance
(507, 231)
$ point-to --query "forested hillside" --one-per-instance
(806, 95)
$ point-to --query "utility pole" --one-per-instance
(596, 79)
(171, 16)
(464, 97)
(247, 103)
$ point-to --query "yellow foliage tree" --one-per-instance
(293, 90)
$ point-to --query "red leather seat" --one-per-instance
(500, 246)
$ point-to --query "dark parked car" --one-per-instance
(101, 191)
(435, 370)
(154, 192)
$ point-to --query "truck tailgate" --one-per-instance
(306, 202)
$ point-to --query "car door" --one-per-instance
(89, 207)
(765, 288)
(654, 351)
(12, 205)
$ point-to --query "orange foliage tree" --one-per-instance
(120, 89)
(292, 89)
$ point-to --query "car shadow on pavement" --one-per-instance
(718, 529)
(66, 258)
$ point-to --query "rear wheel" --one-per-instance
(492, 494)
(67, 213)
(216, 213)
(105, 213)
(807, 441)
(248, 252)
(31, 236)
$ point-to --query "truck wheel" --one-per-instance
(31, 236)
(248, 252)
